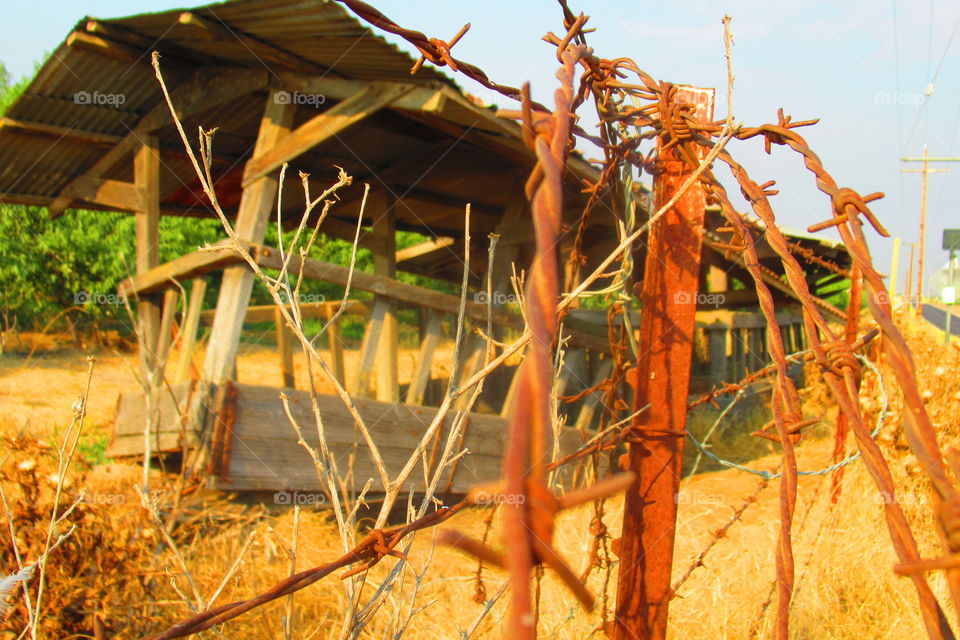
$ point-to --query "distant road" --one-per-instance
(938, 318)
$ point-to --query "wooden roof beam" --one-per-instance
(122, 51)
(459, 117)
(433, 107)
(425, 248)
(116, 194)
(56, 131)
(418, 97)
(323, 127)
(259, 49)
(146, 44)
(206, 89)
(502, 136)
(776, 283)
(31, 200)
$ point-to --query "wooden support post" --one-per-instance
(165, 340)
(717, 348)
(786, 335)
(799, 337)
(739, 338)
(360, 385)
(380, 204)
(511, 226)
(511, 393)
(471, 361)
(188, 332)
(256, 203)
(717, 279)
(756, 358)
(421, 379)
(146, 172)
(661, 380)
(285, 348)
(335, 342)
(894, 268)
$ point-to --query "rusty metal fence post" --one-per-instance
(662, 380)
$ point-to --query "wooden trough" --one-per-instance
(253, 446)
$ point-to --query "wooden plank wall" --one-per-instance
(266, 456)
(176, 405)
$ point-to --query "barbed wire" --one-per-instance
(768, 475)
(634, 108)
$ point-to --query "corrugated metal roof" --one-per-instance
(83, 90)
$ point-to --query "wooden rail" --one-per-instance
(200, 262)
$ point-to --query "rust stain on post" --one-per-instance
(661, 379)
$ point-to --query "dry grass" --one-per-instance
(115, 566)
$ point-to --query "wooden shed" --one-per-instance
(305, 83)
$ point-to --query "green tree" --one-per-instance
(79, 259)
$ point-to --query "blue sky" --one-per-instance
(839, 61)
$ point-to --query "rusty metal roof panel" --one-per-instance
(316, 31)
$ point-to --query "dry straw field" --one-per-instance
(114, 572)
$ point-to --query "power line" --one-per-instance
(953, 139)
(928, 91)
(946, 49)
(896, 75)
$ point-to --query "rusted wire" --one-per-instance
(633, 108)
(720, 533)
(377, 545)
(785, 404)
(530, 507)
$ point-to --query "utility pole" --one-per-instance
(949, 303)
(894, 266)
(923, 211)
(909, 286)
(951, 241)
